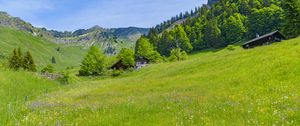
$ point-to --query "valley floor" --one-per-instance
(227, 87)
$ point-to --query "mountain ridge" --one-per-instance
(109, 39)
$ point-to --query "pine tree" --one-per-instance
(20, 58)
(16, 60)
(28, 63)
(53, 60)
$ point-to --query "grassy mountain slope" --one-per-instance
(259, 86)
(41, 49)
(110, 40)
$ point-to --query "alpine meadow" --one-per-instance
(215, 63)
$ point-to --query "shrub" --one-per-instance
(177, 55)
(48, 69)
(65, 78)
(230, 47)
(116, 73)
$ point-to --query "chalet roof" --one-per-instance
(116, 64)
(142, 57)
(264, 36)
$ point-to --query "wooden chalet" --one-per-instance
(266, 39)
(140, 62)
(119, 66)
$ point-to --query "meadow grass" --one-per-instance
(17, 88)
(258, 86)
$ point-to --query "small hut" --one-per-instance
(266, 39)
(118, 66)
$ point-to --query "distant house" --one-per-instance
(118, 66)
(141, 62)
(266, 39)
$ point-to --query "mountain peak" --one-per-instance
(96, 28)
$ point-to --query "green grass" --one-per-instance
(241, 87)
(17, 88)
(41, 49)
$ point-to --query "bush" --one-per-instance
(116, 73)
(3, 55)
(177, 55)
(230, 47)
(48, 69)
(65, 78)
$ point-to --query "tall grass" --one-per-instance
(228, 87)
(17, 88)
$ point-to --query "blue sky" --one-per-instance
(76, 14)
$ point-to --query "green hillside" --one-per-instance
(111, 40)
(41, 49)
(259, 86)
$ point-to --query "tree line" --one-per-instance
(166, 24)
(95, 63)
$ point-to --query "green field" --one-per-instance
(17, 88)
(41, 49)
(221, 87)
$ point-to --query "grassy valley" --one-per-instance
(214, 87)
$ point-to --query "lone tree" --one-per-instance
(28, 63)
(93, 63)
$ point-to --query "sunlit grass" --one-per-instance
(241, 87)
(17, 88)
